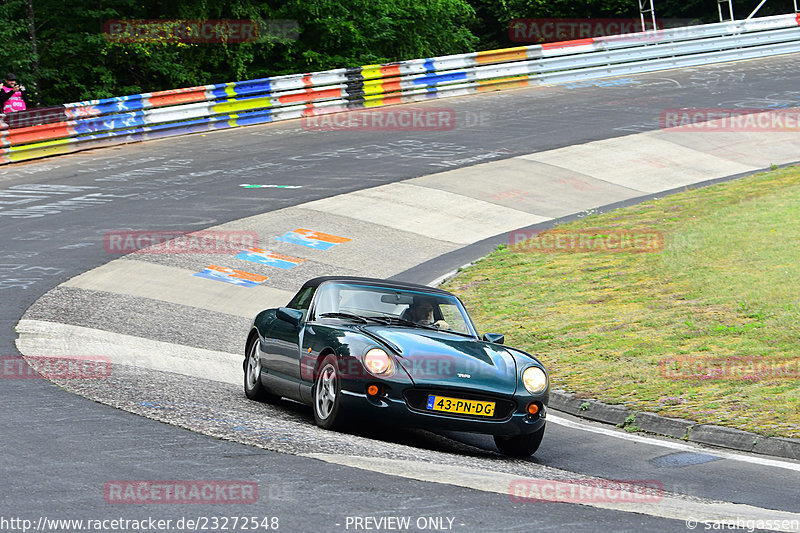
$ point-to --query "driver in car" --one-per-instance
(421, 312)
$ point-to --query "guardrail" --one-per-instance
(92, 124)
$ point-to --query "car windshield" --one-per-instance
(393, 306)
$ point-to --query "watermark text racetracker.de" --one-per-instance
(438, 366)
(397, 119)
(180, 492)
(726, 120)
(564, 29)
(586, 240)
(179, 242)
(55, 367)
(586, 491)
(196, 31)
(729, 368)
(149, 523)
(548, 30)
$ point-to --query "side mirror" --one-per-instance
(292, 316)
(497, 338)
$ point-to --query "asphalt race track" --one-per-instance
(61, 449)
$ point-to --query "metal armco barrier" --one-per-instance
(96, 123)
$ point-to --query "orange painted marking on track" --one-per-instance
(239, 274)
(276, 255)
(319, 236)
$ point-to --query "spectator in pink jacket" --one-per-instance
(12, 95)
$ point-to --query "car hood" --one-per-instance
(440, 359)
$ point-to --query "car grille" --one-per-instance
(417, 400)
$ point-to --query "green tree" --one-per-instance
(78, 62)
(18, 53)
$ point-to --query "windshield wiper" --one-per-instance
(404, 322)
(379, 319)
(363, 319)
(344, 315)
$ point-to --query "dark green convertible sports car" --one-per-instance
(359, 348)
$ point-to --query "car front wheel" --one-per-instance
(520, 445)
(327, 395)
(254, 389)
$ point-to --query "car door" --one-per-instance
(282, 348)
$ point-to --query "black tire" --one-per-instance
(254, 388)
(521, 445)
(326, 395)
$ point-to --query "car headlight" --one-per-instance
(535, 380)
(378, 362)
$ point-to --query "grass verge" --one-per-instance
(705, 328)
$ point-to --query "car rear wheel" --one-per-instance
(327, 395)
(520, 445)
(254, 389)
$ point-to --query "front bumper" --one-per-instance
(392, 407)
